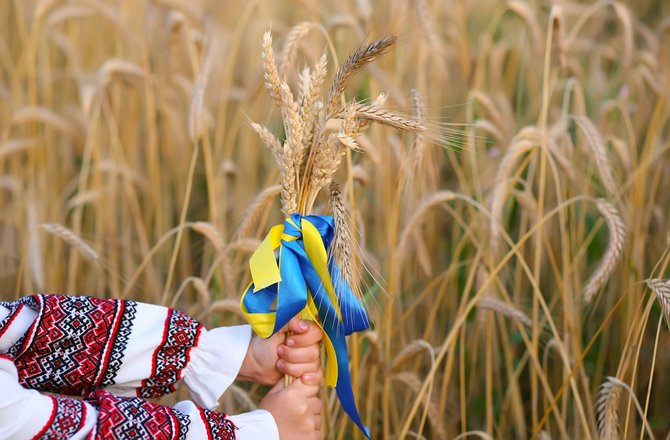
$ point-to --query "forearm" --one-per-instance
(130, 348)
(27, 414)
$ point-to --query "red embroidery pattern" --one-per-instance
(180, 335)
(135, 418)
(7, 322)
(72, 347)
(67, 418)
(219, 426)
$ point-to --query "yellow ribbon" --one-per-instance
(265, 272)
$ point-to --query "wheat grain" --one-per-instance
(353, 64)
(423, 12)
(360, 175)
(45, 116)
(608, 411)
(209, 230)
(386, 117)
(256, 210)
(270, 73)
(304, 81)
(288, 53)
(613, 252)
(269, 140)
(607, 407)
(124, 70)
(409, 352)
(12, 146)
(310, 104)
(343, 244)
(292, 152)
(496, 305)
(419, 141)
(599, 151)
(196, 117)
(73, 240)
(404, 243)
(661, 289)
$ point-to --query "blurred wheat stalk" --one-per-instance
(514, 268)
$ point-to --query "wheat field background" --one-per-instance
(516, 253)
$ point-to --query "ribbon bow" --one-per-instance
(301, 279)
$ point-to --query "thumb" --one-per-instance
(293, 322)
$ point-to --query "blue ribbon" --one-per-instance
(299, 278)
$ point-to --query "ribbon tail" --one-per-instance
(335, 335)
(343, 388)
(263, 263)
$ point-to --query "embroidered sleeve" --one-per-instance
(27, 414)
(76, 345)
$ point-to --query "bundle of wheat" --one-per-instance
(314, 266)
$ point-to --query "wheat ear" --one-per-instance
(256, 209)
(269, 140)
(496, 305)
(343, 243)
(352, 65)
(292, 151)
(270, 72)
(661, 289)
(612, 253)
(373, 113)
(599, 151)
(288, 53)
(73, 240)
(608, 411)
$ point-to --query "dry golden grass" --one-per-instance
(129, 168)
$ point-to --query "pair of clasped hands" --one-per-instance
(296, 407)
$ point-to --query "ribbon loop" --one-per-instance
(299, 278)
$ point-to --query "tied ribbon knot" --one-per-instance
(301, 279)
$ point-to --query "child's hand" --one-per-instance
(268, 359)
(295, 408)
